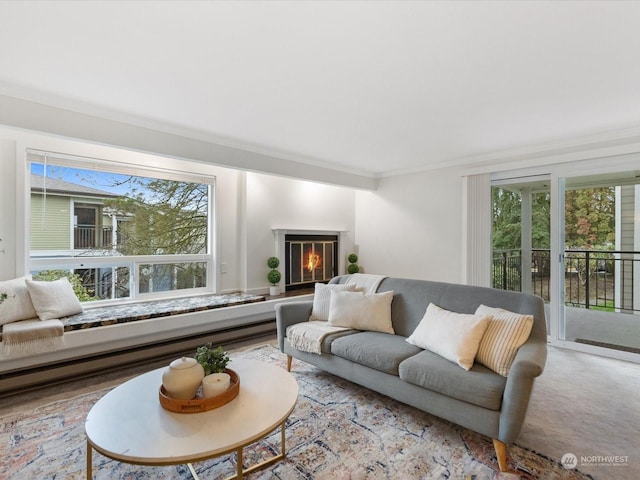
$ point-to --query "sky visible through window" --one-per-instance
(114, 183)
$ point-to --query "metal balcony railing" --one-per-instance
(90, 236)
(594, 279)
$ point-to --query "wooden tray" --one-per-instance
(198, 403)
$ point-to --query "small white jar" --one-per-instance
(182, 379)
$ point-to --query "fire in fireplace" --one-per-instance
(309, 259)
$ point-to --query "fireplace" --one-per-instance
(308, 256)
(309, 259)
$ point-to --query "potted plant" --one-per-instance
(274, 275)
(353, 266)
(214, 361)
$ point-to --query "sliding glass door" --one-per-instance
(574, 241)
(521, 235)
(602, 261)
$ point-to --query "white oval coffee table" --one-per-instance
(128, 424)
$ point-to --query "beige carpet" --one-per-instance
(589, 406)
(582, 404)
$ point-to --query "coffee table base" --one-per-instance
(240, 472)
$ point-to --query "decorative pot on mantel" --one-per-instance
(274, 290)
(183, 378)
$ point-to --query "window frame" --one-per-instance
(133, 262)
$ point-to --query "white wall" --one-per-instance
(280, 203)
(411, 226)
(7, 207)
(249, 206)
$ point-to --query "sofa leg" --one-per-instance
(289, 359)
(501, 454)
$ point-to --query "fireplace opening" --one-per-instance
(309, 259)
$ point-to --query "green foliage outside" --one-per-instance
(589, 225)
(608, 306)
(590, 216)
(589, 219)
(165, 217)
(76, 282)
(506, 230)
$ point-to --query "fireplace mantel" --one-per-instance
(279, 235)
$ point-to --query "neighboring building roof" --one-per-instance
(60, 186)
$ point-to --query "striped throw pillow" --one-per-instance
(322, 297)
(506, 333)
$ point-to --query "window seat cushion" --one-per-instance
(131, 312)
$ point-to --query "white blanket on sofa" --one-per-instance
(308, 336)
(365, 282)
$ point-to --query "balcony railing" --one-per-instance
(90, 236)
(594, 279)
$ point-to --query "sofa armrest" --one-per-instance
(528, 364)
(289, 314)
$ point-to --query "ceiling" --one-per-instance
(370, 87)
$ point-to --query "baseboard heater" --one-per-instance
(24, 380)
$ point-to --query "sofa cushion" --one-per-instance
(506, 333)
(17, 304)
(455, 336)
(376, 350)
(479, 385)
(329, 339)
(322, 298)
(362, 311)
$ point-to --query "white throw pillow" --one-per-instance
(361, 311)
(17, 305)
(53, 299)
(322, 299)
(506, 333)
(454, 336)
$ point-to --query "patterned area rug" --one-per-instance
(338, 430)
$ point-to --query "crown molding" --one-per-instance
(116, 129)
(602, 144)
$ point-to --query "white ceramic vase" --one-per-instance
(183, 378)
(215, 384)
(274, 290)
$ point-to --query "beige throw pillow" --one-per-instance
(17, 305)
(361, 311)
(53, 299)
(506, 333)
(322, 299)
(454, 336)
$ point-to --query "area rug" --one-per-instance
(337, 431)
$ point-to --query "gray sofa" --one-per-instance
(478, 399)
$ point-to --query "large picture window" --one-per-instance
(119, 232)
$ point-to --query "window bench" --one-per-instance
(104, 337)
(116, 314)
